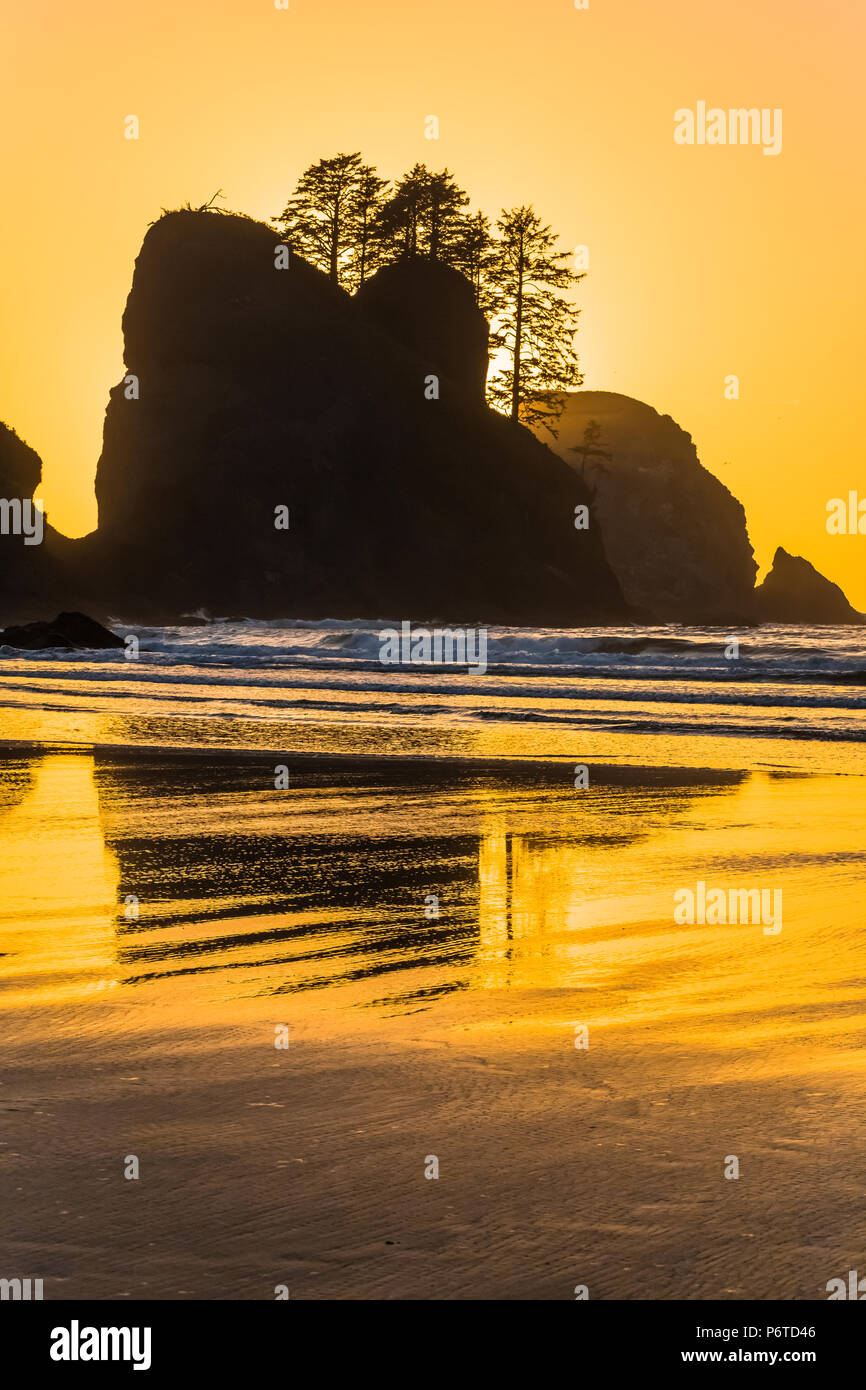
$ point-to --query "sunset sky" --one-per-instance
(704, 261)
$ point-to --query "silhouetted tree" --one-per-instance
(329, 218)
(367, 204)
(473, 256)
(591, 449)
(445, 216)
(423, 216)
(399, 220)
(532, 323)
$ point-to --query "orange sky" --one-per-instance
(704, 261)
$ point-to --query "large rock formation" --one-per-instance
(261, 388)
(675, 537)
(252, 389)
(794, 592)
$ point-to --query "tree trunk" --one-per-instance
(335, 239)
(363, 265)
(518, 335)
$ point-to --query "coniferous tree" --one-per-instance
(444, 217)
(330, 216)
(367, 204)
(473, 256)
(399, 221)
(345, 219)
(423, 215)
(591, 450)
(533, 323)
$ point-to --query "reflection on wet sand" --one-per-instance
(317, 887)
(58, 882)
(325, 890)
(329, 885)
(414, 1034)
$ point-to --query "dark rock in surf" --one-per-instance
(68, 631)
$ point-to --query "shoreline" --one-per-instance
(612, 773)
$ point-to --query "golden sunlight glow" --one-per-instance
(58, 887)
(704, 262)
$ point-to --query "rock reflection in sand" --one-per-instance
(322, 892)
(413, 1034)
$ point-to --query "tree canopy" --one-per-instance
(345, 219)
(331, 217)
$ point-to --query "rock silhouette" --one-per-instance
(30, 575)
(261, 388)
(429, 308)
(794, 592)
(273, 452)
(70, 631)
(675, 536)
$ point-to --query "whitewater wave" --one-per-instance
(766, 653)
(784, 684)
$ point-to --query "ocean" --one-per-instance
(790, 698)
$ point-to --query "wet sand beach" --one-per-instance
(413, 1036)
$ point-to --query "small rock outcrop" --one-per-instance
(31, 574)
(20, 466)
(68, 631)
(794, 592)
(431, 310)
